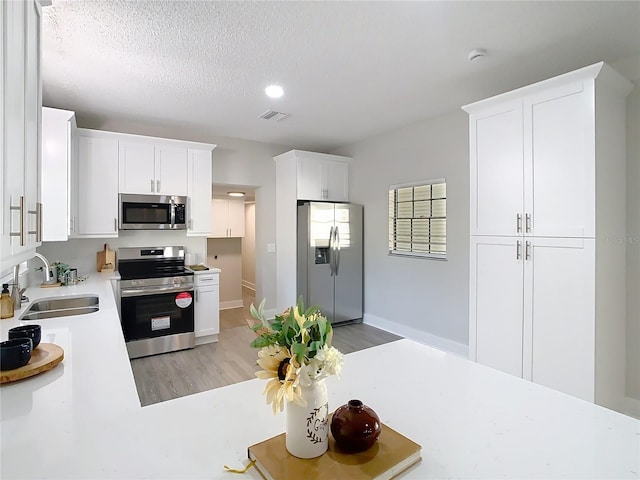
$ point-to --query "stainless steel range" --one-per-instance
(156, 300)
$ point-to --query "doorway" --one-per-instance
(232, 249)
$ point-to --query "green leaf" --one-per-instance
(263, 341)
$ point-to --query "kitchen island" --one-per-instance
(83, 418)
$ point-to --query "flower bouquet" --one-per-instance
(295, 351)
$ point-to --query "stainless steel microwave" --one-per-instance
(152, 212)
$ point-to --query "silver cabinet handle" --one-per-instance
(38, 213)
(115, 224)
(39, 222)
(21, 232)
(152, 185)
(157, 186)
(190, 224)
(527, 223)
(518, 247)
(527, 253)
(195, 295)
(518, 223)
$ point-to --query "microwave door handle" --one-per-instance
(173, 213)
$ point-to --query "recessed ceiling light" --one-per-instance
(235, 194)
(274, 91)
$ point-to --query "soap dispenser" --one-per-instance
(6, 303)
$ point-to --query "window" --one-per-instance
(418, 219)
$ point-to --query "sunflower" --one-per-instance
(279, 367)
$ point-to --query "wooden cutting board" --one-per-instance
(106, 260)
(43, 358)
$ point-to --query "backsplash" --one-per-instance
(81, 253)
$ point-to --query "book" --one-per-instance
(388, 457)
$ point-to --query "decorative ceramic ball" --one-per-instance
(355, 427)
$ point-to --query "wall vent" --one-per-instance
(273, 115)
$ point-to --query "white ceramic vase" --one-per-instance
(307, 428)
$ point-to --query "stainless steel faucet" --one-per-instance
(48, 278)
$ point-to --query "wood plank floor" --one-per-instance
(230, 360)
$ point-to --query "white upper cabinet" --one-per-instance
(58, 149)
(321, 178)
(20, 129)
(227, 218)
(147, 167)
(171, 170)
(533, 158)
(497, 170)
(97, 201)
(136, 170)
(199, 204)
(314, 176)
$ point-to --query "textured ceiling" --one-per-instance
(350, 70)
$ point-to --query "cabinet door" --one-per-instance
(559, 335)
(199, 170)
(496, 170)
(136, 167)
(33, 128)
(13, 177)
(310, 181)
(336, 181)
(207, 312)
(561, 172)
(98, 187)
(236, 218)
(219, 217)
(57, 127)
(171, 170)
(496, 302)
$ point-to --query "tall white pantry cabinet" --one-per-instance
(547, 194)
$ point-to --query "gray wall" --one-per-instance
(633, 243)
(425, 298)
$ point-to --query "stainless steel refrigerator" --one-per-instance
(330, 258)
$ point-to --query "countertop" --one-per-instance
(83, 418)
(210, 270)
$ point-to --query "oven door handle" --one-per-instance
(154, 291)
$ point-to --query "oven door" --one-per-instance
(166, 311)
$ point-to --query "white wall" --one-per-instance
(81, 253)
(422, 298)
(633, 243)
(249, 247)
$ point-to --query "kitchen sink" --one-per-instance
(61, 307)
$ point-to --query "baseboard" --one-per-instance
(231, 304)
(631, 407)
(249, 285)
(206, 339)
(420, 336)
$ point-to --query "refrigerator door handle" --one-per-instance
(331, 255)
(336, 245)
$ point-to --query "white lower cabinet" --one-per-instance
(207, 307)
(532, 310)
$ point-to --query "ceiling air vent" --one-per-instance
(273, 115)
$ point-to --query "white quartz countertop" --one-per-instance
(83, 418)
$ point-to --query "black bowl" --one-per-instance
(15, 353)
(33, 332)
